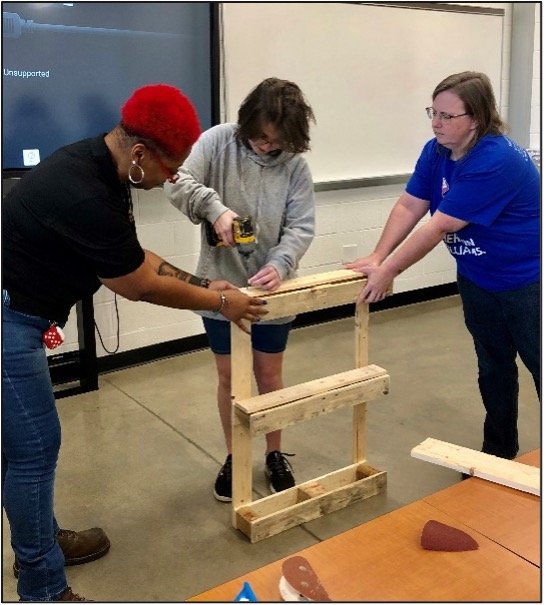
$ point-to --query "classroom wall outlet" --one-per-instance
(348, 253)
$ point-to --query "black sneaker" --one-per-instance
(278, 471)
(222, 487)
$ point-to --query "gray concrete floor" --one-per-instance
(140, 455)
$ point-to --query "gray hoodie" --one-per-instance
(221, 173)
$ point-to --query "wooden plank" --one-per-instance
(312, 293)
(241, 362)
(241, 387)
(382, 561)
(362, 319)
(307, 389)
(263, 422)
(241, 480)
(283, 304)
(308, 281)
(360, 410)
(258, 527)
(330, 481)
(360, 435)
(485, 466)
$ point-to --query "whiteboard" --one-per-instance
(367, 71)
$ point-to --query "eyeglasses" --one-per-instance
(172, 177)
(263, 140)
(445, 117)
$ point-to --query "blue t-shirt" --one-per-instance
(496, 189)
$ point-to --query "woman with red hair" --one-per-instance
(68, 228)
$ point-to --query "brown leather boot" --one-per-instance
(79, 546)
(68, 595)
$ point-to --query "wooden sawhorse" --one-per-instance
(253, 416)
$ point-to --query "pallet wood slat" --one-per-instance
(308, 281)
(307, 501)
(478, 464)
(292, 394)
(314, 299)
(311, 293)
(288, 413)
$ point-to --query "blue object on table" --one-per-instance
(246, 594)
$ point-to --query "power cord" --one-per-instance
(117, 331)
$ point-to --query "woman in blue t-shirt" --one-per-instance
(483, 193)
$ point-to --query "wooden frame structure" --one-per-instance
(253, 416)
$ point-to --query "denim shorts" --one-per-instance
(266, 338)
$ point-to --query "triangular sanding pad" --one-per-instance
(438, 536)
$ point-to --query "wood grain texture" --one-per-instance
(312, 293)
(307, 501)
(506, 472)
(304, 390)
(309, 281)
(382, 560)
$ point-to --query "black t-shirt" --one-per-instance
(67, 222)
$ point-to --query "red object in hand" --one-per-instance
(53, 337)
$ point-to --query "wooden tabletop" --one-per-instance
(508, 516)
(382, 560)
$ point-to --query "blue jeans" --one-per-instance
(31, 438)
(502, 325)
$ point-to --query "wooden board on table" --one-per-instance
(477, 464)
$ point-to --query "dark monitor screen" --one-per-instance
(69, 66)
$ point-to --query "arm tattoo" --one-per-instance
(166, 268)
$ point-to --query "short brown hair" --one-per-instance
(281, 103)
(475, 91)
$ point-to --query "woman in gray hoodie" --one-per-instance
(253, 168)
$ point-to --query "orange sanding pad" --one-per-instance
(300, 576)
(438, 536)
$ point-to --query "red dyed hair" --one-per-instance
(164, 115)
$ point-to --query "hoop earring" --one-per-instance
(133, 165)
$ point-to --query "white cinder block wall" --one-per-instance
(535, 138)
(356, 217)
(344, 217)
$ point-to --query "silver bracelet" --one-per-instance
(223, 302)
